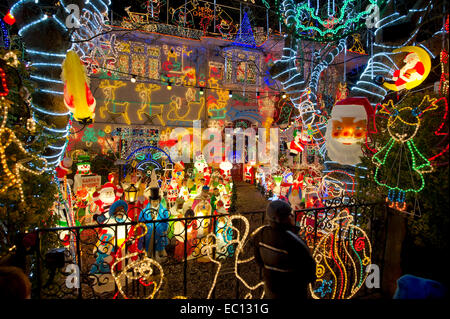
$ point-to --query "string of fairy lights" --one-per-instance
(169, 85)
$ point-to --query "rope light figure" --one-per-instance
(11, 176)
(312, 20)
(139, 267)
(403, 125)
(443, 82)
(341, 259)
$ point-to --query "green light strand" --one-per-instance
(348, 22)
(413, 149)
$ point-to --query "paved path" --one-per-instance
(249, 198)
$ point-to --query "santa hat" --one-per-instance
(357, 107)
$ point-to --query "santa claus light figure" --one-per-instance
(347, 130)
(413, 70)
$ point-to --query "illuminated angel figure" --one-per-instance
(400, 165)
(11, 177)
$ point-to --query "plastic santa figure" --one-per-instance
(207, 174)
(249, 173)
(298, 181)
(296, 146)
(347, 130)
(413, 70)
(64, 168)
(225, 168)
(105, 197)
(341, 92)
(226, 199)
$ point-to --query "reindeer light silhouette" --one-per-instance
(110, 105)
(145, 93)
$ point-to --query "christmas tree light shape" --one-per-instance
(244, 36)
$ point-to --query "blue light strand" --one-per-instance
(60, 23)
(31, 24)
(50, 92)
(44, 79)
(58, 56)
(41, 64)
(46, 112)
(50, 54)
(5, 34)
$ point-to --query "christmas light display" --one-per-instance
(414, 72)
(111, 105)
(5, 34)
(244, 36)
(443, 82)
(320, 23)
(141, 268)
(403, 125)
(357, 46)
(49, 60)
(382, 65)
(240, 242)
(13, 174)
(344, 241)
(145, 92)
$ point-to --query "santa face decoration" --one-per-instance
(107, 196)
(347, 130)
